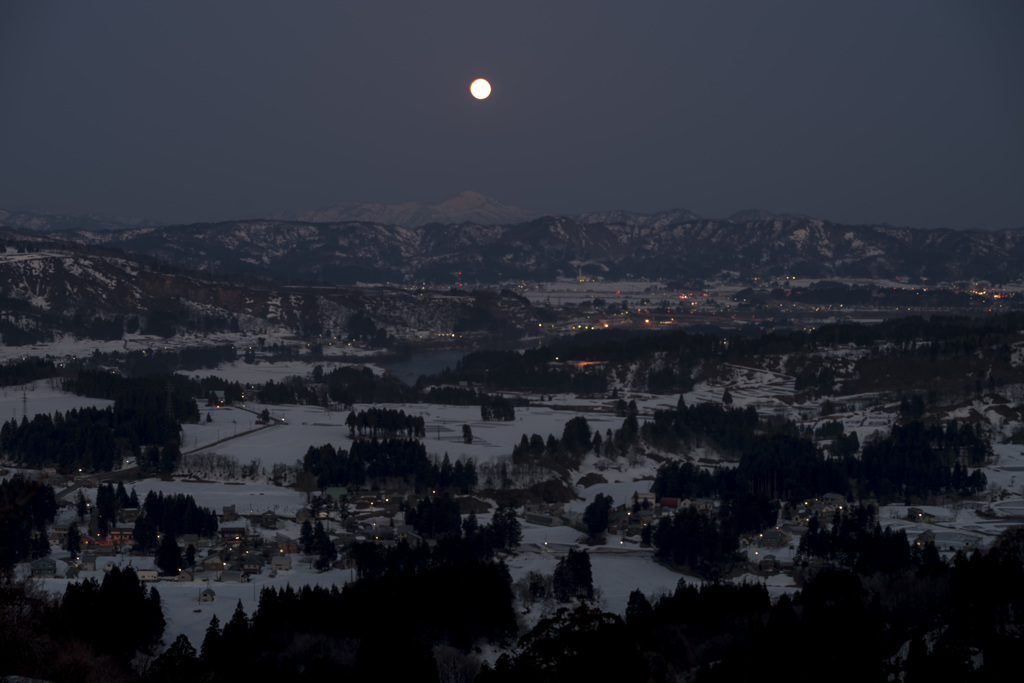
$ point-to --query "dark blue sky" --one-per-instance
(909, 112)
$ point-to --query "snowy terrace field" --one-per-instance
(619, 566)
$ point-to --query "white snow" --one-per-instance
(619, 565)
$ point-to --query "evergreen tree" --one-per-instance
(508, 533)
(149, 461)
(320, 539)
(638, 608)
(122, 496)
(81, 506)
(74, 541)
(210, 650)
(596, 515)
(576, 436)
(306, 537)
(144, 534)
(328, 554)
(168, 556)
(236, 632)
(177, 663)
(106, 507)
(573, 576)
(170, 457)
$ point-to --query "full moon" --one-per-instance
(480, 89)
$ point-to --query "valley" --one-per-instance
(647, 439)
(229, 460)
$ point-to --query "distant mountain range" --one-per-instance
(97, 281)
(473, 238)
(49, 289)
(467, 207)
(41, 221)
(612, 246)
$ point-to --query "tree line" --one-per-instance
(26, 509)
(369, 461)
(172, 516)
(374, 422)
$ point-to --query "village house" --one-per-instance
(347, 538)
(571, 518)
(252, 563)
(826, 505)
(128, 515)
(647, 497)
(280, 562)
(617, 521)
(58, 533)
(407, 533)
(924, 538)
(668, 505)
(122, 536)
(643, 516)
(542, 518)
(233, 535)
(148, 575)
(228, 514)
(919, 515)
(213, 563)
(44, 567)
(836, 500)
(774, 538)
(286, 545)
(115, 539)
(704, 505)
(268, 520)
(206, 595)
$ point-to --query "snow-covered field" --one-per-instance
(619, 567)
(617, 570)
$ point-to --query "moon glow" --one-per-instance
(480, 89)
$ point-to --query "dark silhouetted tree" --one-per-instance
(595, 517)
(168, 556)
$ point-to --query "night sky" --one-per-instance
(907, 112)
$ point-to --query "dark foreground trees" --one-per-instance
(27, 508)
(136, 624)
(928, 620)
(296, 633)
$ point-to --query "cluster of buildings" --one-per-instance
(245, 544)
